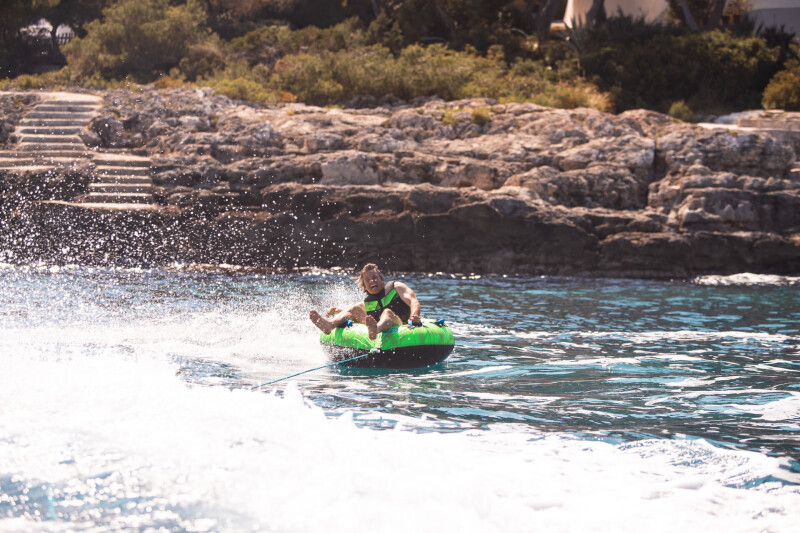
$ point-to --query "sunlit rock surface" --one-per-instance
(468, 186)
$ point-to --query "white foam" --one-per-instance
(93, 412)
(783, 409)
(600, 361)
(699, 382)
(97, 430)
(787, 408)
(642, 337)
(533, 334)
(485, 370)
(529, 400)
(694, 335)
(746, 278)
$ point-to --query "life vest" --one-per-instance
(387, 299)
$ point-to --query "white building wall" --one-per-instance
(650, 9)
(766, 12)
(777, 13)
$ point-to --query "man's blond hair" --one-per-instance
(367, 268)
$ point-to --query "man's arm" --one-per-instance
(407, 295)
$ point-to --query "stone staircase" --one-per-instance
(47, 137)
(120, 179)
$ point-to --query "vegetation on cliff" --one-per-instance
(783, 91)
(366, 52)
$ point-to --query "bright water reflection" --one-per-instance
(692, 383)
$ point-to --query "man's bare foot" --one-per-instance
(322, 323)
(372, 327)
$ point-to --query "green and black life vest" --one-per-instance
(387, 299)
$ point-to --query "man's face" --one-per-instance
(373, 281)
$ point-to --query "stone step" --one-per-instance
(49, 147)
(21, 162)
(120, 187)
(36, 167)
(63, 111)
(57, 115)
(17, 162)
(71, 139)
(132, 180)
(48, 130)
(48, 107)
(114, 207)
(108, 162)
(92, 102)
(125, 171)
(125, 198)
(25, 123)
(46, 154)
(112, 178)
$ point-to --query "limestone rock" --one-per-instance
(471, 185)
(600, 185)
(108, 129)
(350, 168)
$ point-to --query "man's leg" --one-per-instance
(355, 313)
(388, 321)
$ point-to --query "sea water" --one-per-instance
(133, 400)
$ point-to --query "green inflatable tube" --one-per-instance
(401, 347)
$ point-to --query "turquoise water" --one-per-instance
(127, 401)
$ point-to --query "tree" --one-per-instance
(597, 12)
(479, 23)
(541, 14)
(783, 91)
(231, 18)
(73, 13)
(698, 14)
(17, 14)
(139, 38)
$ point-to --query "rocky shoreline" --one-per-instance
(467, 186)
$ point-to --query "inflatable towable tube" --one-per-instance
(401, 347)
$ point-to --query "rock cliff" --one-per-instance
(466, 186)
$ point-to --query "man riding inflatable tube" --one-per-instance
(386, 306)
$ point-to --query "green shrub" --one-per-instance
(335, 77)
(28, 81)
(170, 82)
(246, 89)
(137, 38)
(681, 111)
(783, 91)
(572, 95)
(153, 40)
(385, 30)
(435, 70)
(481, 116)
(269, 43)
(309, 77)
(264, 45)
(365, 71)
(652, 66)
(453, 116)
(56, 79)
(202, 59)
